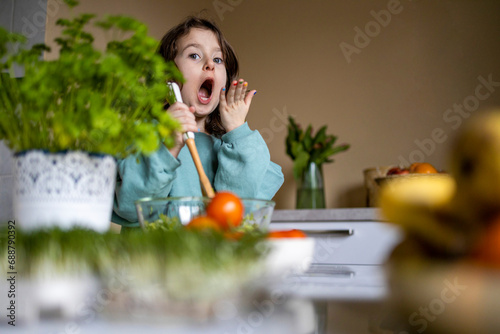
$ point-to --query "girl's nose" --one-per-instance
(209, 65)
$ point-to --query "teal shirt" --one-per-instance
(239, 162)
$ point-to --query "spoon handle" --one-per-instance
(206, 187)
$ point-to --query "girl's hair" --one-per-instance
(168, 49)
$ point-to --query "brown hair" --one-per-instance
(168, 50)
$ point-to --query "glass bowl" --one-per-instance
(257, 211)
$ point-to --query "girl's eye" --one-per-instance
(218, 60)
(194, 56)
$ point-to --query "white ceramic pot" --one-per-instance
(65, 189)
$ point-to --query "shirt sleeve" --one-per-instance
(142, 176)
(245, 166)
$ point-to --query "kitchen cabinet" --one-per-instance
(346, 280)
(351, 246)
(343, 236)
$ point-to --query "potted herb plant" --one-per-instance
(309, 152)
(68, 119)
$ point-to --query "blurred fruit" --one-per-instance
(296, 234)
(227, 209)
(397, 171)
(277, 234)
(286, 234)
(393, 171)
(233, 235)
(413, 166)
(417, 203)
(457, 214)
(203, 223)
(431, 192)
(475, 164)
(487, 250)
(423, 168)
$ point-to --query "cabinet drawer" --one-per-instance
(348, 242)
(339, 282)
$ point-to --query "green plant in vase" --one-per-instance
(309, 152)
(86, 101)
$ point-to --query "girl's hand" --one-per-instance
(234, 108)
(185, 116)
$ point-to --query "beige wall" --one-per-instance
(394, 93)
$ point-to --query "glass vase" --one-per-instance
(310, 190)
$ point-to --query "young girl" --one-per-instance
(215, 107)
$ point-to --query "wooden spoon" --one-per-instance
(206, 187)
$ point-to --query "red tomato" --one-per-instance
(287, 234)
(202, 223)
(277, 234)
(232, 235)
(227, 209)
(296, 234)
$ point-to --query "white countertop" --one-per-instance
(331, 215)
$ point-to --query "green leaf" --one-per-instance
(290, 139)
(297, 148)
(71, 3)
(307, 140)
(300, 164)
(293, 125)
(320, 136)
(316, 148)
(341, 148)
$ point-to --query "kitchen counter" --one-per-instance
(332, 215)
(344, 290)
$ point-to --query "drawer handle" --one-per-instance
(319, 270)
(339, 274)
(341, 232)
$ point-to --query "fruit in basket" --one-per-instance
(397, 171)
(458, 214)
(471, 211)
(415, 168)
(422, 168)
(227, 209)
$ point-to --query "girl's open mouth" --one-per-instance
(205, 92)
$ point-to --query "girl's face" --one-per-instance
(199, 58)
